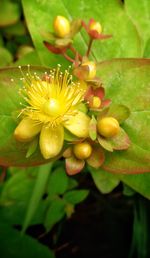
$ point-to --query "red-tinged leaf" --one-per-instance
(126, 81)
(118, 111)
(97, 157)
(105, 143)
(121, 141)
(93, 128)
(74, 166)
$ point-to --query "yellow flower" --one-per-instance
(52, 104)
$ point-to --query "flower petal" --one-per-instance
(79, 125)
(26, 130)
(51, 141)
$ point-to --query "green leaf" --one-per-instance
(55, 213)
(121, 141)
(58, 182)
(14, 245)
(15, 196)
(138, 12)
(38, 191)
(128, 191)
(29, 58)
(93, 128)
(9, 13)
(32, 147)
(105, 143)
(124, 42)
(5, 57)
(76, 196)
(104, 181)
(72, 183)
(118, 111)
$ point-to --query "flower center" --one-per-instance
(52, 107)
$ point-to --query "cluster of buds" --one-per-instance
(71, 119)
(61, 40)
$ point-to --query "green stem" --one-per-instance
(38, 191)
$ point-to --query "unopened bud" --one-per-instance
(108, 127)
(96, 26)
(92, 69)
(61, 26)
(96, 102)
(82, 150)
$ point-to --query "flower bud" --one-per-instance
(95, 26)
(26, 130)
(82, 150)
(61, 26)
(92, 69)
(96, 102)
(108, 127)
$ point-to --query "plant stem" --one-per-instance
(89, 47)
(68, 57)
(75, 52)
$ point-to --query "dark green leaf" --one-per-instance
(14, 245)
(55, 213)
(76, 196)
(104, 181)
(58, 182)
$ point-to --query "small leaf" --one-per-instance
(58, 182)
(92, 128)
(97, 157)
(74, 166)
(55, 213)
(76, 196)
(63, 42)
(32, 147)
(75, 27)
(106, 144)
(121, 141)
(104, 181)
(72, 183)
(128, 191)
(69, 136)
(120, 112)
